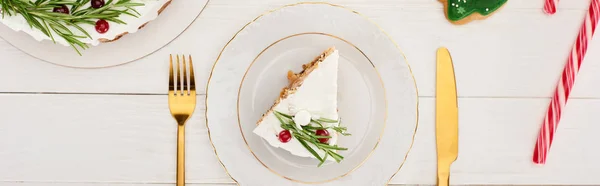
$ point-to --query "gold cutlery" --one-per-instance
(446, 116)
(182, 103)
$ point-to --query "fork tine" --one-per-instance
(171, 80)
(179, 83)
(192, 79)
(185, 78)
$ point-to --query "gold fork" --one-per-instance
(182, 102)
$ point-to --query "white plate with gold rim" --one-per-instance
(377, 97)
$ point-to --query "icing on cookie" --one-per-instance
(460, 9)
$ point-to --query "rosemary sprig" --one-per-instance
(39, 15)
(306, 135)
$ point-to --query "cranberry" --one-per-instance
(322, 132)
(102, 26)
(97, 3)
(61, 9)
(285, 136)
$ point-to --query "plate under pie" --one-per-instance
(377, 97)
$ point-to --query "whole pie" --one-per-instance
(132, 16)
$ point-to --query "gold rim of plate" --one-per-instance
(287, 37)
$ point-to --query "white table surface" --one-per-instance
(72, 127)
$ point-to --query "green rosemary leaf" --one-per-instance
(77, 50)
(346, 134)
(319, 137)
(338, 158)
(134, 10)
(38, 2)
(278, 116)
(325, 146)
(284, 115)
(295, 126)
(313, 134)
(47, 28)
(325, 120)
(116, 20)
(318, 123)
(324, 159)
(128, 4)
(341, 130)
(310, 149)
(85, 22)
(59, 28)
(29, 19)
(287, 127)
(128, 13)
(80, 29)
(81, 12)
(308, 127)
(56, 16)
(305, 138)
(78, 5)
(309, 135)
(99, 10)
(60, 3)
(74, 42)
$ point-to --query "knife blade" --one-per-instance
(446, 116)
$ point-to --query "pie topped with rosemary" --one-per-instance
(79, 23)
(304, 119)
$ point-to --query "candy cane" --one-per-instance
(550, 6)
(563, 89)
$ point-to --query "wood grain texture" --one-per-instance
(67, 127)
(517, 52)
(106, 184)
(133, 142)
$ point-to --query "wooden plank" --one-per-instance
(518, 52)
(16, 183)
(130, 139)
(80, 138)
(118, 184)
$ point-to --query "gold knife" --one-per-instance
(446, 116)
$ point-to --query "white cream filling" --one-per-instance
(148, 13)
(317, 96)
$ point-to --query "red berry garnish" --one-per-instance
(102, 26)
(97, 3)
(285, 136)
(61, 9)
(322, 132)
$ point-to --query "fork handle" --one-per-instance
(180, 155)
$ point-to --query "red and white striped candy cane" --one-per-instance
(565, 84)
(550, 6)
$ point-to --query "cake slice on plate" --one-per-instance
(304, 119)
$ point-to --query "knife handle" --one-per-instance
(443, 174)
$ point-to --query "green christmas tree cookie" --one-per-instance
(463, 11)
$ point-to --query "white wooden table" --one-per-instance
(72, 127)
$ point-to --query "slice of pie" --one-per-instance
(304, 119)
